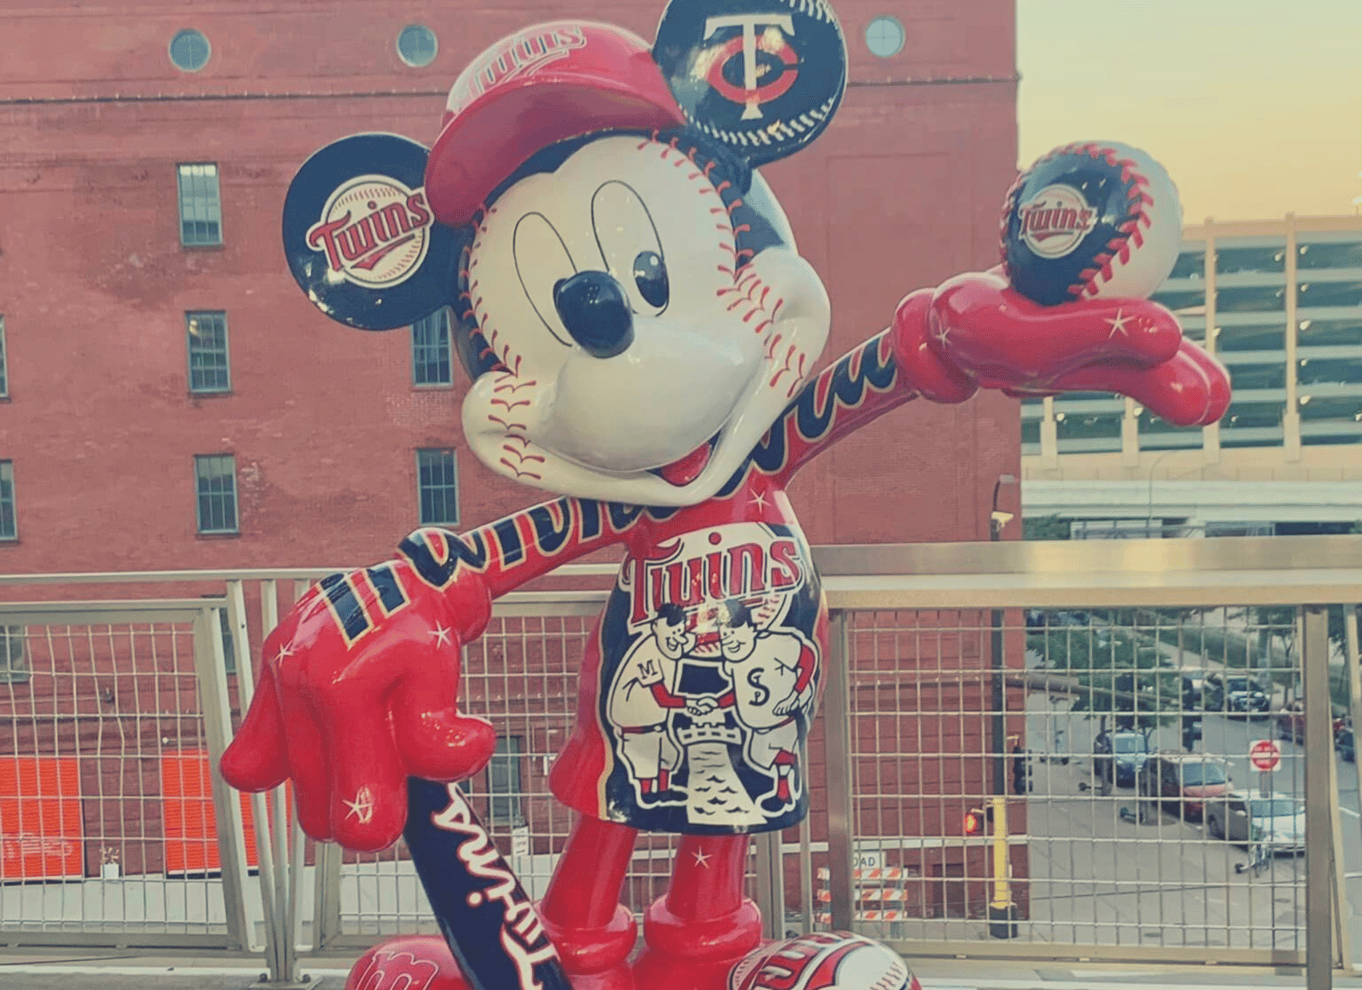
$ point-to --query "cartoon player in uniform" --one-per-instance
(773, 677)
(643, 699)
(643, 336)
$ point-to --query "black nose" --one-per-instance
(596, 312)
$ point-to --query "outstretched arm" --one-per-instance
(359, 686)
(860, 387)
(975, 332)
(518, 548)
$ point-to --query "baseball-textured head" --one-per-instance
(627, 293)
(631, 303)
(639, 316)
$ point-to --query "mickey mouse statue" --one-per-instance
(642, 335)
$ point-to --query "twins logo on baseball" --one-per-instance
(374, 231)
(778, 57)
(1055, 221)
(822, 961)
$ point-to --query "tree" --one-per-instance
(1045, 528)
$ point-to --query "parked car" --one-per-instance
(1277, 821)
(1290, 723)
(1346, 744)
(1118, 756)
(1184, 781)
(1236, 694)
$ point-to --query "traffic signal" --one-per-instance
(975, 819)
(1191, 731)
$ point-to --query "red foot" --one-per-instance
(694, 955)
(411, 962)
(595, 957)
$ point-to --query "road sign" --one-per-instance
(1265, 754)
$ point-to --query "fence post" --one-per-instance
(806, 898)
(1319, 801)
(770, 883)
(837, 742)
(211, 673)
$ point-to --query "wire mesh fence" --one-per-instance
(107, 822)
(1057, 780)
(1087, 778)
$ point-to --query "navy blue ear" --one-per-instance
(360, 237)
(763, 77)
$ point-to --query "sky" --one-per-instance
(1253, 106)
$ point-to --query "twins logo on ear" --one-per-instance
(626, 290)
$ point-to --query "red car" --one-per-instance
(1184, 781)
(1291, 724)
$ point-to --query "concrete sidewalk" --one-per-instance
(107, 972)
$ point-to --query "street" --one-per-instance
(1100, 876)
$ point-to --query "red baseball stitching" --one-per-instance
(747, 286)
(1129, 231)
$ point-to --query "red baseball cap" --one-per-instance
(545, 84)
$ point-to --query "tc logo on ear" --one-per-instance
(763, 78)
(778, 63)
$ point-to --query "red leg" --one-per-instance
(704, 924)
(593, 932)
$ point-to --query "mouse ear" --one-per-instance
(360, 237)
(762, 77)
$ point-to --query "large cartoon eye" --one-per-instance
(542, 263)
(631, 246)
(650, 277)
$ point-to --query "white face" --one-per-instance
(719, 345)
(674, 640)
(737, 642)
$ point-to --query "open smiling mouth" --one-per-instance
(684, 470)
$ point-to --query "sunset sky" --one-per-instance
(1253, 106)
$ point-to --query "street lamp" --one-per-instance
(1002, 912)
(996, 521)
(1149, 509)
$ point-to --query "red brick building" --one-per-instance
(158, 358)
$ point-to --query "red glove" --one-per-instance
(975, 331)
(358, 690)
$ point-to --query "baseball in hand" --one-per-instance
(1090, 220)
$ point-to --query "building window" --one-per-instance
(215, 478)
(884, 36)
(430, 357)
(189, 50)
(209, 367)
(200, 206)
(14, 667)
(437, 478)
(417, 45)
(9, 529)
(504, 782)
(4, 364)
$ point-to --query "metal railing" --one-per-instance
(960, 678)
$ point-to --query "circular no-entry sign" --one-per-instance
(1265, 754)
